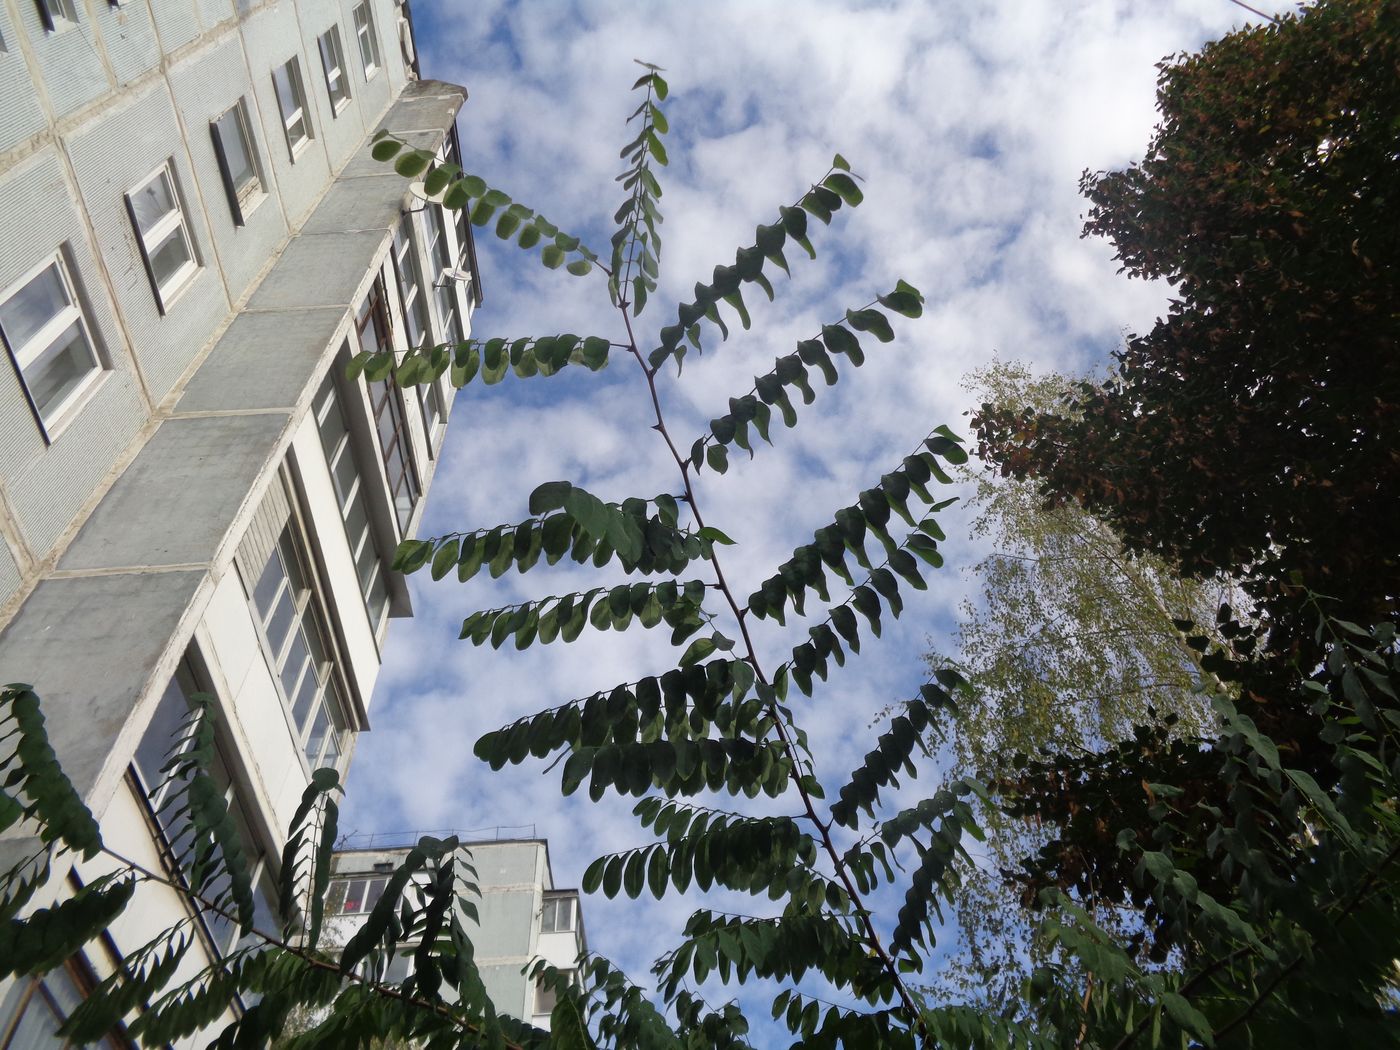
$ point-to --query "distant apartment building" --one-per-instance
(523, 917)
(194, 239)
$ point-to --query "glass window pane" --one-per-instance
(356, 522)
(319, 729)
(377, 599)
(335, 900)
(268, 583)
(344, 473)
(286, 93)
(64, 989)
(236, 149)
(374, 891)
(152, 202)
(38, 1027)
(305, 698)
(162, 732)
(296, 579)
(315, 644)
(33, 306)
(332, 755)
(170, 256)
(354, 896)
(297, 658)
(59, 369)
(280, 622)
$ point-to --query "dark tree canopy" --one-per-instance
(1253, 430)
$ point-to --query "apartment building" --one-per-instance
(193, 240)
(522, 916)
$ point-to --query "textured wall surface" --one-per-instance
(204, 91)
(48, 483)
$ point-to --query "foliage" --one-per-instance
(1067, 643)
(1259, 850)
(1251, 431)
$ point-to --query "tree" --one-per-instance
(1067, 643)
(1278, 893)
(1252, 431)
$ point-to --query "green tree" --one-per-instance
(1067, 643)
(1251, 432)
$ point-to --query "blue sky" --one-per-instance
(970, 121)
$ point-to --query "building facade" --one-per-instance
(522, 917)
(193, 241)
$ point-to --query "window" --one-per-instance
(57, 14)
(546, 997)
(410, 277)
(48, 340)
(415, 312)
(350, 491)
(297, 652)
(163, 734)
(372, 325)
(333, 62)
(35, 1008)
(440, 253)
(291, 102)
(369, 40)
(558, 914)
(233, 146)
(355, 896)
(164, 236)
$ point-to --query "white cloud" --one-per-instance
(971, 123)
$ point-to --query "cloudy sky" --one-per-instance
(970, 121)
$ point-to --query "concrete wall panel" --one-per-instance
(129, 36)
(270, 38)
(68, 58)
(49, 483)
(344, 130)
(21, 115)
(204, 89)
(177, 22)
(111, 156)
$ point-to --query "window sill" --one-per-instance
(73, 405)
(172, 291)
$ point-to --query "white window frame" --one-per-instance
(352, 497)
(333, 65)
(551, 917)
(293, 111)
(368, 38)
(156, 788)
(26, 355)
(172, 223)
(57, 15)
(241, 200)
(326, 691)
(370, 892)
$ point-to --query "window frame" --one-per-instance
(329, 46)
(57, 15)
(151, 241)
(28, 990)
(328, 693)
(370, 564)
(293, 111)
(339, 891)
(24, 356)
(556, 899)
(241, 201)
(386, 400)
(413, 300)
(367, 32)
(220, 931)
